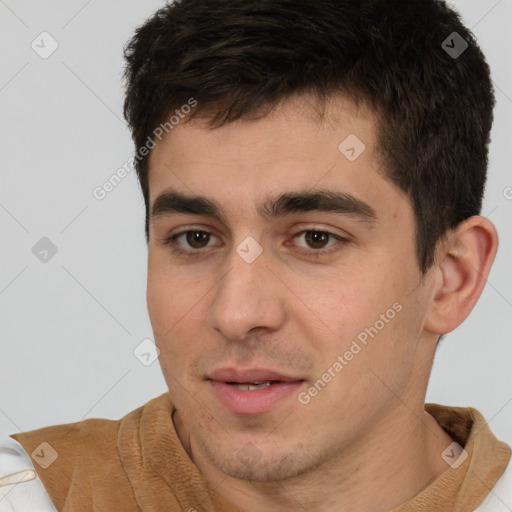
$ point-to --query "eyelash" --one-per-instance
(170, 241)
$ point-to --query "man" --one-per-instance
(313, 172)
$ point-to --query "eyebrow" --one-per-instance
(171, 201)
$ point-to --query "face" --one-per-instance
(288, 302)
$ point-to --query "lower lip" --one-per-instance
(256, 401)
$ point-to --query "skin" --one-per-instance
(296, 309)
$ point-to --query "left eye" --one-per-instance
(317, 239)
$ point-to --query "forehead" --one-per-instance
(298, 119)
(289, 150)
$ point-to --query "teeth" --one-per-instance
(251, 386)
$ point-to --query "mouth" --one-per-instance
(251, 386)
(253, 391)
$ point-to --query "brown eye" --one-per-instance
(197, 239)
(317, 239)
(315, 242)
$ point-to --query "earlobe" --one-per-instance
(463, 266)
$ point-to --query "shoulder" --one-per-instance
(74, 461)
(70, 456)
(499, 498)
(20, 486)
(47, 445)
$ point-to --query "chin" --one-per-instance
(260, 471)
(266, 465)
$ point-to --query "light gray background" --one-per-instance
(68, 327)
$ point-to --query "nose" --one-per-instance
(249, 297)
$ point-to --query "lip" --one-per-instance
(249, 375)
(253, 402)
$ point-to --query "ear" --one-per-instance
(461, 270)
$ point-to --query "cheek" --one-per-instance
(164, 312)
(351, 304)
(372, 307)
(176, 308)
(169, 296)
(161, 303)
